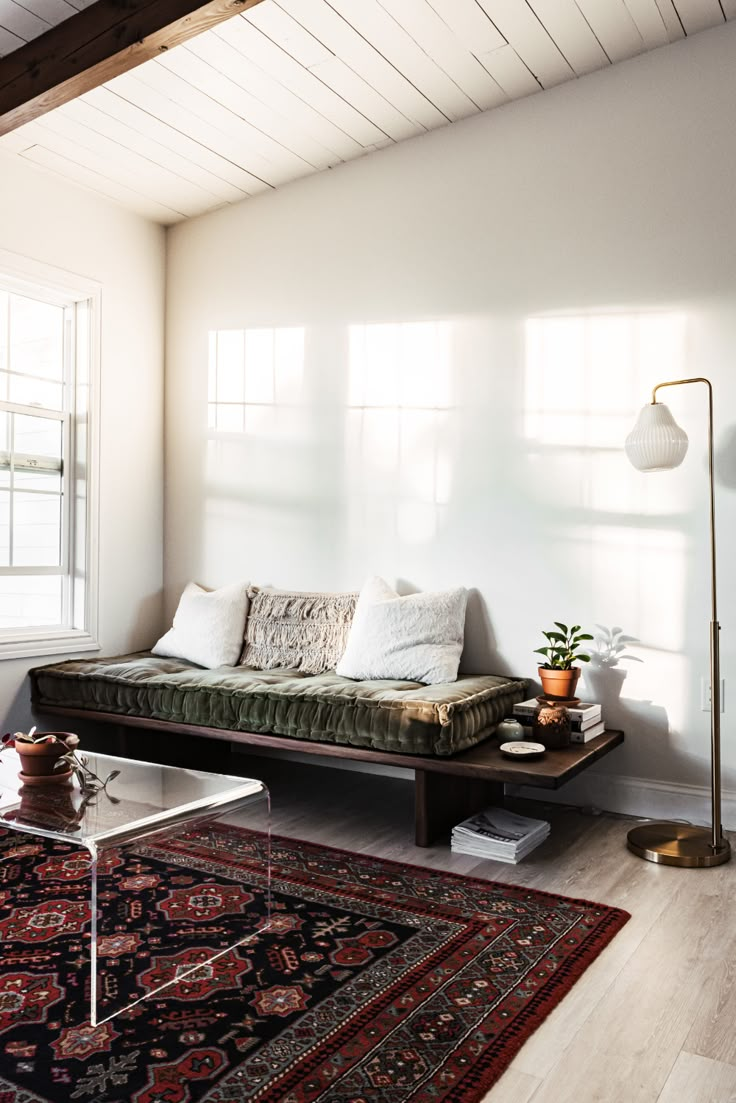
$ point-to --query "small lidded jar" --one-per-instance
(510, 731)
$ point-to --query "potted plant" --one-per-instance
(41, 754)
(558, 674)
(50, 758)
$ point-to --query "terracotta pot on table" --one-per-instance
(37, 760)
(559, 684)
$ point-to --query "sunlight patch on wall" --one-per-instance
(398, 415)
(663, 676)
(586, 378)
(255, 381)
(259, 449)
(587, 375)
(645, 572)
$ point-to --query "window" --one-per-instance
(47, 577)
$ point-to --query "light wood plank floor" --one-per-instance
(653, 1020)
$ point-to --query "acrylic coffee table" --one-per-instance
(147, 800)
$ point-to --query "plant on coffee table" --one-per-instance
(62, 749)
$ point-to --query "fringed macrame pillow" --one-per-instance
(301, 631)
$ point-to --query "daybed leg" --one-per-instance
(442, 800)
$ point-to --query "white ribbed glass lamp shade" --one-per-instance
(656, 443)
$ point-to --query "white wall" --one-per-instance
(578, 246)
(53, 222)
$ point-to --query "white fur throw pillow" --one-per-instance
(208, 626)
(417, 638)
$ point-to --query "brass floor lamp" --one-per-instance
(657, 443)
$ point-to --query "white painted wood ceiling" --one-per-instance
(295, 86)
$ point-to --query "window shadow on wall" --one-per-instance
(630, 542)
(398, 466)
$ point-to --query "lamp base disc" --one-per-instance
(678, 844)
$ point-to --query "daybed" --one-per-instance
(441, 732)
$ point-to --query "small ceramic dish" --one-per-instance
(520, 749)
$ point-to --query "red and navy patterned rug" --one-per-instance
(376, 982)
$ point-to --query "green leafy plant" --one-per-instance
(69, 743)
(610, 647)
(562, 651)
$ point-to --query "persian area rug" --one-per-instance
(376, 982)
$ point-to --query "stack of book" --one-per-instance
(586, 719)
(499, 834)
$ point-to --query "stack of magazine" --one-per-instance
(499, 834)
(586, 718)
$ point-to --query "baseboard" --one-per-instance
(636, 796)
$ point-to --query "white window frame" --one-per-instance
(23, 276)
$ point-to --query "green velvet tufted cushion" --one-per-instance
(383, 715)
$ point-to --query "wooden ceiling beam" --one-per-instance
(96, 44)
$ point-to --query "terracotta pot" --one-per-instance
(39, 759)
(559, 684)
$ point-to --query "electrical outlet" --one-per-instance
(705, 699)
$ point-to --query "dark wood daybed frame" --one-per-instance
(446, 789)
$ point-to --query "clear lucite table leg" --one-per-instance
(93, 934)
(257, 806)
